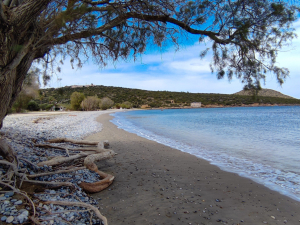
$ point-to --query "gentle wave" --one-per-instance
(284, 181)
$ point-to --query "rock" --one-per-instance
(18, 202)
(9, 194)
(9, 219)
(3, 218)
(25, 213)
(2, 198)
(273, 217)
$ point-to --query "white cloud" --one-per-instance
(178, 71)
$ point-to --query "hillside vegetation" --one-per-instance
(264, 92)
(142, 98)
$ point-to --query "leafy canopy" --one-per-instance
(246, 35)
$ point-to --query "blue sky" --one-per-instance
(181, 71)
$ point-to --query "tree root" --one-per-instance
(86, 155)
(81, 204)
(21, 193)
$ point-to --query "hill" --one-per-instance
(264, 92)
(142, 98)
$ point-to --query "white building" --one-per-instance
(196, 104)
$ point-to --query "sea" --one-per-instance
(260, 143)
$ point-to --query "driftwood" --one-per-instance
(60, 159)
(88, 155)
(107, 179)
(56, 172)
(70, 149)
(79, 142)
(81, 204)
(50, 184)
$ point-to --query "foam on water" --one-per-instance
(261, 165)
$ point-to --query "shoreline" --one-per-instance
(156, 184)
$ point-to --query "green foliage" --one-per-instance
(21, 103)
(106, 103)
(90, 103)
(76, 99)
(33, 106)
(45, 106)
(126, 105)
(29, 91)
(161, 98)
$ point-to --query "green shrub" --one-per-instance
(45, 106)
(90, 103)
(33, 106)
(76, 99)
(126, 105)
(106, 103)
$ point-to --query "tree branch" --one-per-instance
(28, 11)
(3, 17)
(118, 20)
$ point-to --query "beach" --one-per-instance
(155, 184)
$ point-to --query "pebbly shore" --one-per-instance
(22, 132)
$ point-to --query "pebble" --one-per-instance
(20, 132)
(9, 194)
(18, 202)
(9, 219)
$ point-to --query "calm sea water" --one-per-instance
(261, 143)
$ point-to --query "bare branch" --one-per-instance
(81, 204)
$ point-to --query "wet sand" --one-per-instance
(156, 184)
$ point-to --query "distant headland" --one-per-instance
(167, 99)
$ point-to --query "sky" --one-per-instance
(181, 71)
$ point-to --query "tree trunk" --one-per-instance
(11, 83)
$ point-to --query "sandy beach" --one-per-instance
(156, 184)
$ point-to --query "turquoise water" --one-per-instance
(261, 143)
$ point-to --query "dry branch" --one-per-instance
(21, 193)
(81, 204)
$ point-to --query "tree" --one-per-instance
(76, 99)
(106, 103)
(29, 90)
(126, 105)
(246, 35)
(90, 103)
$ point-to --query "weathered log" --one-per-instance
(50, 184)
(60, 159)
(69, 149)
(80, 142)
(56, 172)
